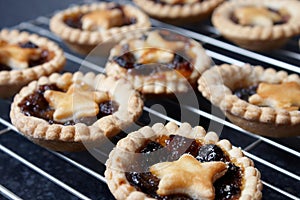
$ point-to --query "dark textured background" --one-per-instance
(13, 12)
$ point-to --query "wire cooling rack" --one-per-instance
(28, 171)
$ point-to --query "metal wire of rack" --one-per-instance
(44, 174)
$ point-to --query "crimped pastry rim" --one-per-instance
(228, 102)
(177, 11)
(22, 77)
(115, 165)
(221, 20)
(148, 85)
(85, 37)
(107, 126)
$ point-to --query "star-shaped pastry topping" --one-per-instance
(78, 102)
(284, 95)
(102, 19)
(256, 16)
(16, 57)
(154, 39)
(156, 49)
(153, 55)
(188, 176)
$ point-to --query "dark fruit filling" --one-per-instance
(107, 108)
(128, 61)
(144, 181)
(229, 184)
(245, 93)
(182, 65)
(170, 149)
(151, 147)
(4, 67)
(29, 45)
(74, 21)
(44, 57)
(36, 105)
(234, 19)
(211, 152)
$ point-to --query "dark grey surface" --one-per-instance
(13, 12)
(28, 184)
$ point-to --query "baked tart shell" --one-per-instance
(121, 155)
(12, 81)
(84, 41)
(257, 38)
(60, 137)
(155, 85)
(218, 84)
(179, 14)
(265, 129)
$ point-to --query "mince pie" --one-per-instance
(258, 24)
(25, 57)
(85, 27)
(158, 62)
(171, 162)
(178, 11)
(259, 100)
(65, 111)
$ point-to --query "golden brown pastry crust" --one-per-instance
(259, 38)
(177, 14)
(70, 138)
(121, 156)
(83, 41)
(218, 83)
(12, 81)
(168, 82)
(271, 95)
